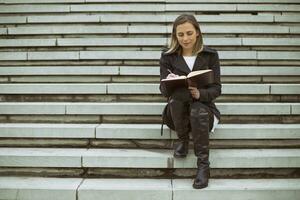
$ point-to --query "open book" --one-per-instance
(198, 79)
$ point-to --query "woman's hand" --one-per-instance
(194, 92)
(171, 75)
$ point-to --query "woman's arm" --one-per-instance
(165, 67)
(214, 90)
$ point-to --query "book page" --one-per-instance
(175, 78)
(195, 73)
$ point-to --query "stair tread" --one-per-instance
(143, 70)
(69, 188)
(143, 131)
(146, 158)
(136, 88)
(138, 108)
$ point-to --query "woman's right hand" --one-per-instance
(171, 75)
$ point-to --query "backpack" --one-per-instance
(167, 118)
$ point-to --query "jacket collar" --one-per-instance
(183, 65)
(207, 49)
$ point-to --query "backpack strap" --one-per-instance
(162, 128)
(162, 120)
(164, 113)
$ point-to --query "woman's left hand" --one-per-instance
(194, 92)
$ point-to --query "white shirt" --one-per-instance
(190, 61)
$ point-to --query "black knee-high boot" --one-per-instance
(179, 112)
(200, 129)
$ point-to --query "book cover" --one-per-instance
(199, 79)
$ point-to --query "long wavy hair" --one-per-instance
(174, 44)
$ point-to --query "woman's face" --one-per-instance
(186, 35)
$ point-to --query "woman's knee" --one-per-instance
(198, 109)
(174, 103)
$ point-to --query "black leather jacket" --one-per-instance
(207, 59)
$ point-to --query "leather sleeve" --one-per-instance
(164, 66)
(214, 90)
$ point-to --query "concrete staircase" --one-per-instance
(80, 105)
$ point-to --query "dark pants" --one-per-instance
(192, 116)
(189, 115)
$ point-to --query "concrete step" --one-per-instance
(68, 108)
(140, 88)
(162, 143)
(144, 131)
(143, 1)
(228, 136)
(238, 189)
(223, 131)
(233, 7)
(146, 158)
(34, 8)
(145, 18)
(138, 74)
(140, 55)
(146, 136)
(144, 42)
(141, 70)
(143, 7)
(208, 29)
(33, 188)
(146, 98)
(48, 130)
(221, 1)
(143, 79)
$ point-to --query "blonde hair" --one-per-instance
(174, 44)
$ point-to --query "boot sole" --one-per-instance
(179, 156)
(199, 186)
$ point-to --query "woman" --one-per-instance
(192, 109)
